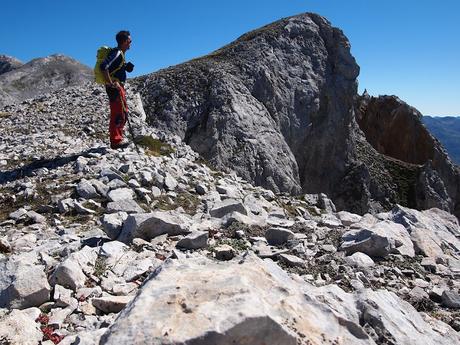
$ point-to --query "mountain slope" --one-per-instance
(40, 76)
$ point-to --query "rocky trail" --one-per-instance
(102, 246)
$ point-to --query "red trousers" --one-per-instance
(118, 113)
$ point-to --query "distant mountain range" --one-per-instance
(447, 130)
(20, 81)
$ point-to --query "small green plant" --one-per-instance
(100, 266)
(237, 244)
(154, 147)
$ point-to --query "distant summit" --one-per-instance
(447, 130)
(39, 76)
(8, 63)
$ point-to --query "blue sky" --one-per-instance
(409, 48)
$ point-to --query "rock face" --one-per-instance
(423, 173)
(19, 82)
(278, 107)
(275, 105)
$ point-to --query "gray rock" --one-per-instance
(451, 299)
(66, 205)
(151, 225)
(227, 303)
(291, 260)
(110, 174)
(170, 182)
(227, 206)
(63, 297)
(378, 240)
(348, 218)
(71, 272)
(23, 284)
(430, 230)
(224, 252)
(195, 240)
(325, 203)
(18, 214)
(359, 260)
(20, 328)
(111, 304)
(156, 192)
(125, 205)
(201, 189)
(86, 190)
(278, 236)
(121, 194)
(113, 223)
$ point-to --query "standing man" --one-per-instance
(114, 69)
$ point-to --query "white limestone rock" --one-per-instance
(378, 240)
(151, 225)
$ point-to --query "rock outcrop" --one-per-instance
(39, 76)
(278, 107)
(417, 164)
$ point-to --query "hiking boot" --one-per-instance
(121, 145)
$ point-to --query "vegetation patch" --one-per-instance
(237, 244)
(154, 147)
(249, 230)
(100, 266)
(188, 201)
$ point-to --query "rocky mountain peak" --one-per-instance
(8, 63)
(42, 75)
(278, 106)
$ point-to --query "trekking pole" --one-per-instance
(130, 128)
(132, 133)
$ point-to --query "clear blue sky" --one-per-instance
(410, 48)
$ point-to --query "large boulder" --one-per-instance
(378, 240)
(151, 225)
(23, 284)
(251, 301)
(432, 231)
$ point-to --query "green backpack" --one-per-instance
(102, 54)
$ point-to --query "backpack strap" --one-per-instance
(121, 64)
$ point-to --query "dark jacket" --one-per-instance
(112, 62)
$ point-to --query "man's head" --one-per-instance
(124, 40)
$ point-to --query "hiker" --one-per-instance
(114, 70)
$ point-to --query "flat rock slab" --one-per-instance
(227, 206)
(225, 303)
(379, 240)
(195, 240)
(151, 225)
(253, 301)
(121, 194)
(111, 304)
(125, 205)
